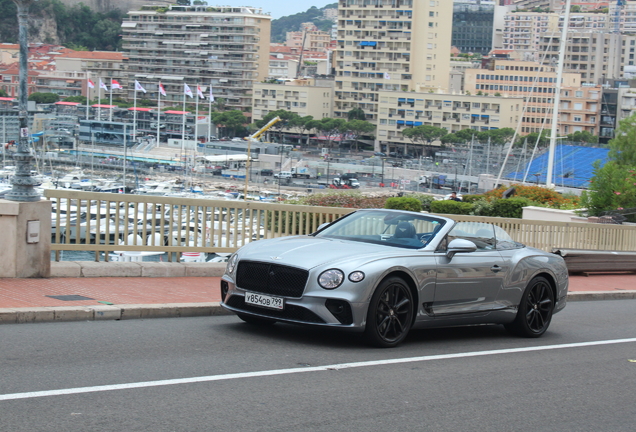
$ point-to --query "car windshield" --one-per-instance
(398, 229)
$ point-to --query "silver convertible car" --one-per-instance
(385, 271)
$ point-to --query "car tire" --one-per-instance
(535, 309)
(256, 321)
(390, 313)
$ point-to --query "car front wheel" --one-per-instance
(535, 310)
(390, 313)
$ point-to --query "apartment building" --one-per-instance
(451, 112)
(314, 39)
(385, 45)
(596, 55)
(96, 65)
(473, 26)
(225, 47)
(535, 83)
(311, 96)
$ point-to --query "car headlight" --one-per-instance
(356, 276)
(331, 279)
(231, 264)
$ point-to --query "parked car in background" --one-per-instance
(383, 272)
(267, 172)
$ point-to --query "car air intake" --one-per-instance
(267, 278)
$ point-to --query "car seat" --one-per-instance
(404, 230)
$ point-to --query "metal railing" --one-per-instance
(107, 222)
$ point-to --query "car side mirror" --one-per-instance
(460, 246)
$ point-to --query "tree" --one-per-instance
(44, 98)
(543, 139)
(423, 134)
(286, 117)
(356, 114)
(613, 185)
(3, 93)
(301, 125)
(583, 136)
(357, 128)
(229, 120)
(331, 128)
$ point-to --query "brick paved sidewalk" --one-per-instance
(21, 293)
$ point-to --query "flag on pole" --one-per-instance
(114, 84)
(90, 83)
(200, 93)
(102, 85)
(186, 90)
(161, 89)
(139, 87)
(211, 95)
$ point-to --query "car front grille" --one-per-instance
(272, 279)
(290, 312)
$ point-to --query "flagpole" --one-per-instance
(135, 114)
(158, 111)
(88, 90)
(110, 114)
(183, 122)
(196, 115)
(99, 101)
(210, 113)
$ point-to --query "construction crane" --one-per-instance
(254, 137)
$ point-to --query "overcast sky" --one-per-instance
(277, 8)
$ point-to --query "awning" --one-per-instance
(67, 103)
(129, 24)
(176, 112)
(140, 109)
(7, 99)
(103, 106)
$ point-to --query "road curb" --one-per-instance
(176, 310)
(109, 312)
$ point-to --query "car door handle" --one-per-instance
(496, 268)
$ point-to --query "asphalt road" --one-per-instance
(230, 376)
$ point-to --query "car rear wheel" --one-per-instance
(256, 320)
(535, 310)
(390, 313)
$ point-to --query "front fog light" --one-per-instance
(331, 279)
(231, 264)
(356, 276)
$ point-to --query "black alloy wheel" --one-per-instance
(535, 310)
(390, 313)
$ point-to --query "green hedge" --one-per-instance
(404, 203)
(510, 208)
(451, 207)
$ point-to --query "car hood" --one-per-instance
(308, 252)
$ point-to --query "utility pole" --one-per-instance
(22, 182)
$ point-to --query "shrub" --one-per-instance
(539, 195)
(342, 199)
(424, 199)
(510, 208)
(403, 203)
(482, 207)
(451, 207)
(472, 198)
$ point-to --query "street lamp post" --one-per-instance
(22, 182)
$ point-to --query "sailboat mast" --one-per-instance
(557, 96)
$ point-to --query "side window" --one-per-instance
(482, 234)
(504, 241)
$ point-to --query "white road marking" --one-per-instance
(102, 388)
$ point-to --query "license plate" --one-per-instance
(264, 301)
